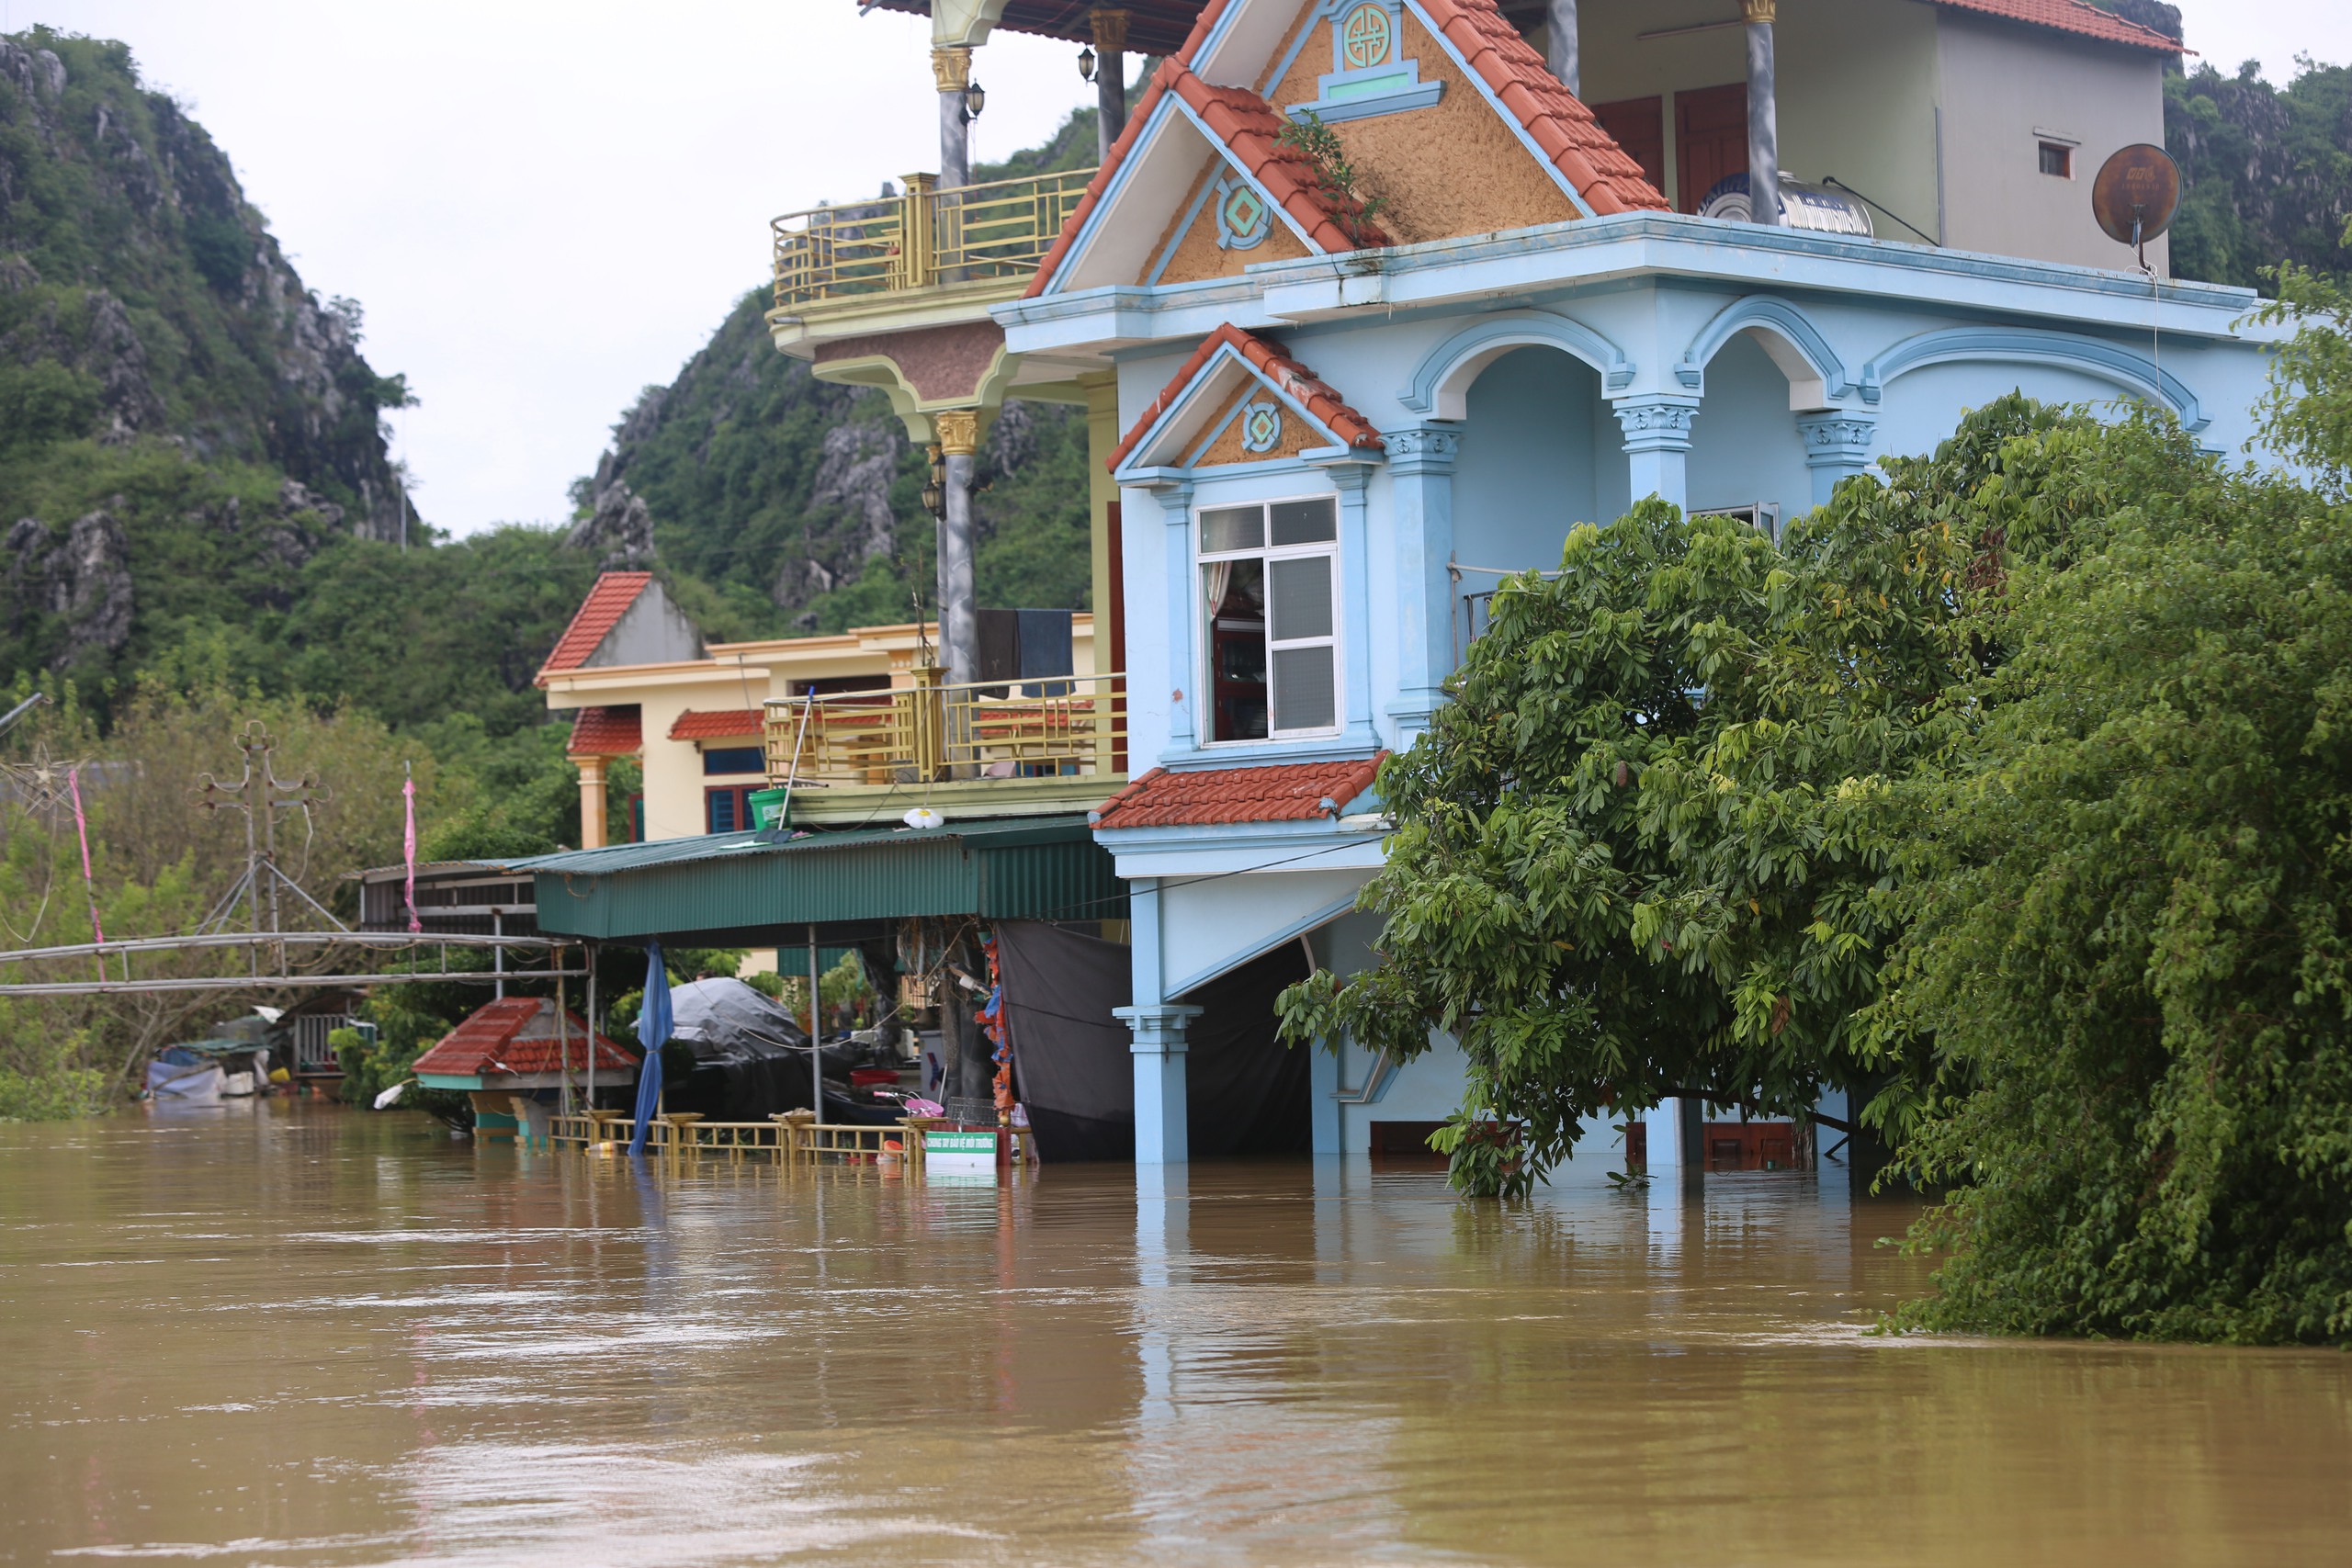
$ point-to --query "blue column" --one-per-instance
(1657, 444)
(1175, 498)
(1159, 1052)
(1838, 445)
(1158, 1046)
(1421, 467)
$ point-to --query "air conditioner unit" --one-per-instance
(1763, 516)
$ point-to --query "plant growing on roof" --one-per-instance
(1321, 147)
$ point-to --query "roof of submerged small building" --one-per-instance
(517, 1036)
(1295, 792)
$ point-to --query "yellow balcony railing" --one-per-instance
(1001, 230)
(1050, 727)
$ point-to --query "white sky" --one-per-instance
(544, 207)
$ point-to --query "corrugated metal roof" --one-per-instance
(1023, 868)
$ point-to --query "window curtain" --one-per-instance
(1215, 576)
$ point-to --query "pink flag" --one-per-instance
(408, 844)
(82, 832)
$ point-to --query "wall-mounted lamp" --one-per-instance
(975, 98)
(934, 489)
(1086, 63)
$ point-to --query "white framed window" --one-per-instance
(1268, 612)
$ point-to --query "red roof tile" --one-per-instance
(1290, 792)
(517, 1035)
(607, 732)
(717, 724)
(599, 612)
(1292, 377)
(1588, 156)
(2078, 16)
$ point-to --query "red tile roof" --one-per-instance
(717, 724)
(607, 732)
(1292, 377)
(517, 1035)
(599, 612)
(1585, 155)
(1290, 792)
(2078, 16)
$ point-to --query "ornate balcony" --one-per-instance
(1058, 738)
(974, 234)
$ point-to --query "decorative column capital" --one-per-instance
(958, 431)
(1159, 1031)
(1758, 12)
(1837, 439)
(1657, 424)
(591, 769)
(1422, 448)
(1110, 31)
(1350, 473)
(951, 68)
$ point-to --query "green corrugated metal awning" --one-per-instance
(729, 889)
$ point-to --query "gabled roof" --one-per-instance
(1288, 792)
(1588, 157)
(1585, 156)
(717, 724)
(517, 1036)
(607, 732)
(1293, 379)
(606, 603)
(2077, 17)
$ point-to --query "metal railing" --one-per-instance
(971, 233)
(313, 1053)
(788, 1139)
(1048, 726)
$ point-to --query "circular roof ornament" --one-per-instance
(2136, 194)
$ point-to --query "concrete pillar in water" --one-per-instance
(1158, 1044)
(1763, 114)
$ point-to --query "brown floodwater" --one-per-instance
(289, 1333)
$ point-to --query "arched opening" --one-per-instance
(1745, 449)
(1539, 454)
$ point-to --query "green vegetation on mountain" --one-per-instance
(2266, 173)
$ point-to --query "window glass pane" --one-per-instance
(1304, 698)
(721, 810)
(1233, 528)
(734, 760)
(1305, 522)
(1302, 598)
(1233, 594)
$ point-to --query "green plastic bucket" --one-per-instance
(767, 808)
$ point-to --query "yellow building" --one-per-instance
(873, 731)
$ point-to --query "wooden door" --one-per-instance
(1710, 139)
(1638, 125)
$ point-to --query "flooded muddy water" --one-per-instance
(288, 1334)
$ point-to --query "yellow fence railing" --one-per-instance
(789, 1139)
(1045, 726)
(1001, 229)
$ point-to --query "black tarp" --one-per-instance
(749, 1056)
(1246, 1093)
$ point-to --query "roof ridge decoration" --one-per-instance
(1311, 397)
(1243, 128)
(608, 600)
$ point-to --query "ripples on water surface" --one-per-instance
(290, 1335)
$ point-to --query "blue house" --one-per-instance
(1356, 390)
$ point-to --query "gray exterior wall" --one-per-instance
(650, 631)
(2002, 84)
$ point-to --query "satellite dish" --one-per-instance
(2136, 194)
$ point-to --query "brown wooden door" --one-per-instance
(1638, 125)
(1710, 139)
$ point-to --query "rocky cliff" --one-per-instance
(182, 423)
